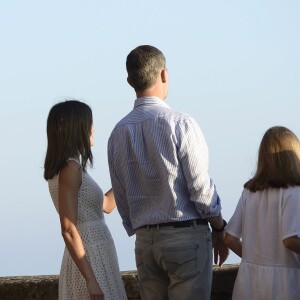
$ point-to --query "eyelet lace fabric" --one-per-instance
(98, 244)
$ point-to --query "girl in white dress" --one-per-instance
(89, 268)
(265, 227)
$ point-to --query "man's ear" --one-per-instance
(164, 75)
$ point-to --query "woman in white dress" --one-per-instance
(89, 267)
(265, 227)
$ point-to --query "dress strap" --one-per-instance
(74, 159)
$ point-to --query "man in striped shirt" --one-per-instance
(158, 161)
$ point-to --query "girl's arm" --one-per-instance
(109, 202)
(234, 244)
(292, 243)
(69, 184)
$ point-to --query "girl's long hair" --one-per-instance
(278, 161)
(69, 126)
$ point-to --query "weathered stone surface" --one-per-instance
(29, 287)
(46, 287)
(130, 281)
(223, 282)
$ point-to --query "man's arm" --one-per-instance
(119, 193)
(193, 154)
(221, 250)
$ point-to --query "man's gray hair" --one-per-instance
(143, 65)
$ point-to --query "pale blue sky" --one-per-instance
(233, 65)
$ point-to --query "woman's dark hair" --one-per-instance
(278, 161)
(69, 126)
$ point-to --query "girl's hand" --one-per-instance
(94, 290)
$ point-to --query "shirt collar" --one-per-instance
(150, 100)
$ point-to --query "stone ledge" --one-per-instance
(45, 287)
(29, 288)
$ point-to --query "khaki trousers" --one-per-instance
(174, 263)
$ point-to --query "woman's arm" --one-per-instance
(234, 244)
(69, 184)
(292, 243)
(109, 202)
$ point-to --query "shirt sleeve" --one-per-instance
(119, 193)
(290, 222)
(235, 224)
(193, 156)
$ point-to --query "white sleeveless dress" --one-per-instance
(98, 244)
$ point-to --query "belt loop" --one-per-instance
(157, 227)
(194, 224)
(148, 227)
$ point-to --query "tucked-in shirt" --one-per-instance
(158, 162)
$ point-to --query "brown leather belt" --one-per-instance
(179, 224)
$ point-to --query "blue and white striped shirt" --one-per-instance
(158, 161)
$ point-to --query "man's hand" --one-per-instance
(221, 252)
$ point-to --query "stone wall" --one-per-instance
(45, 287)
